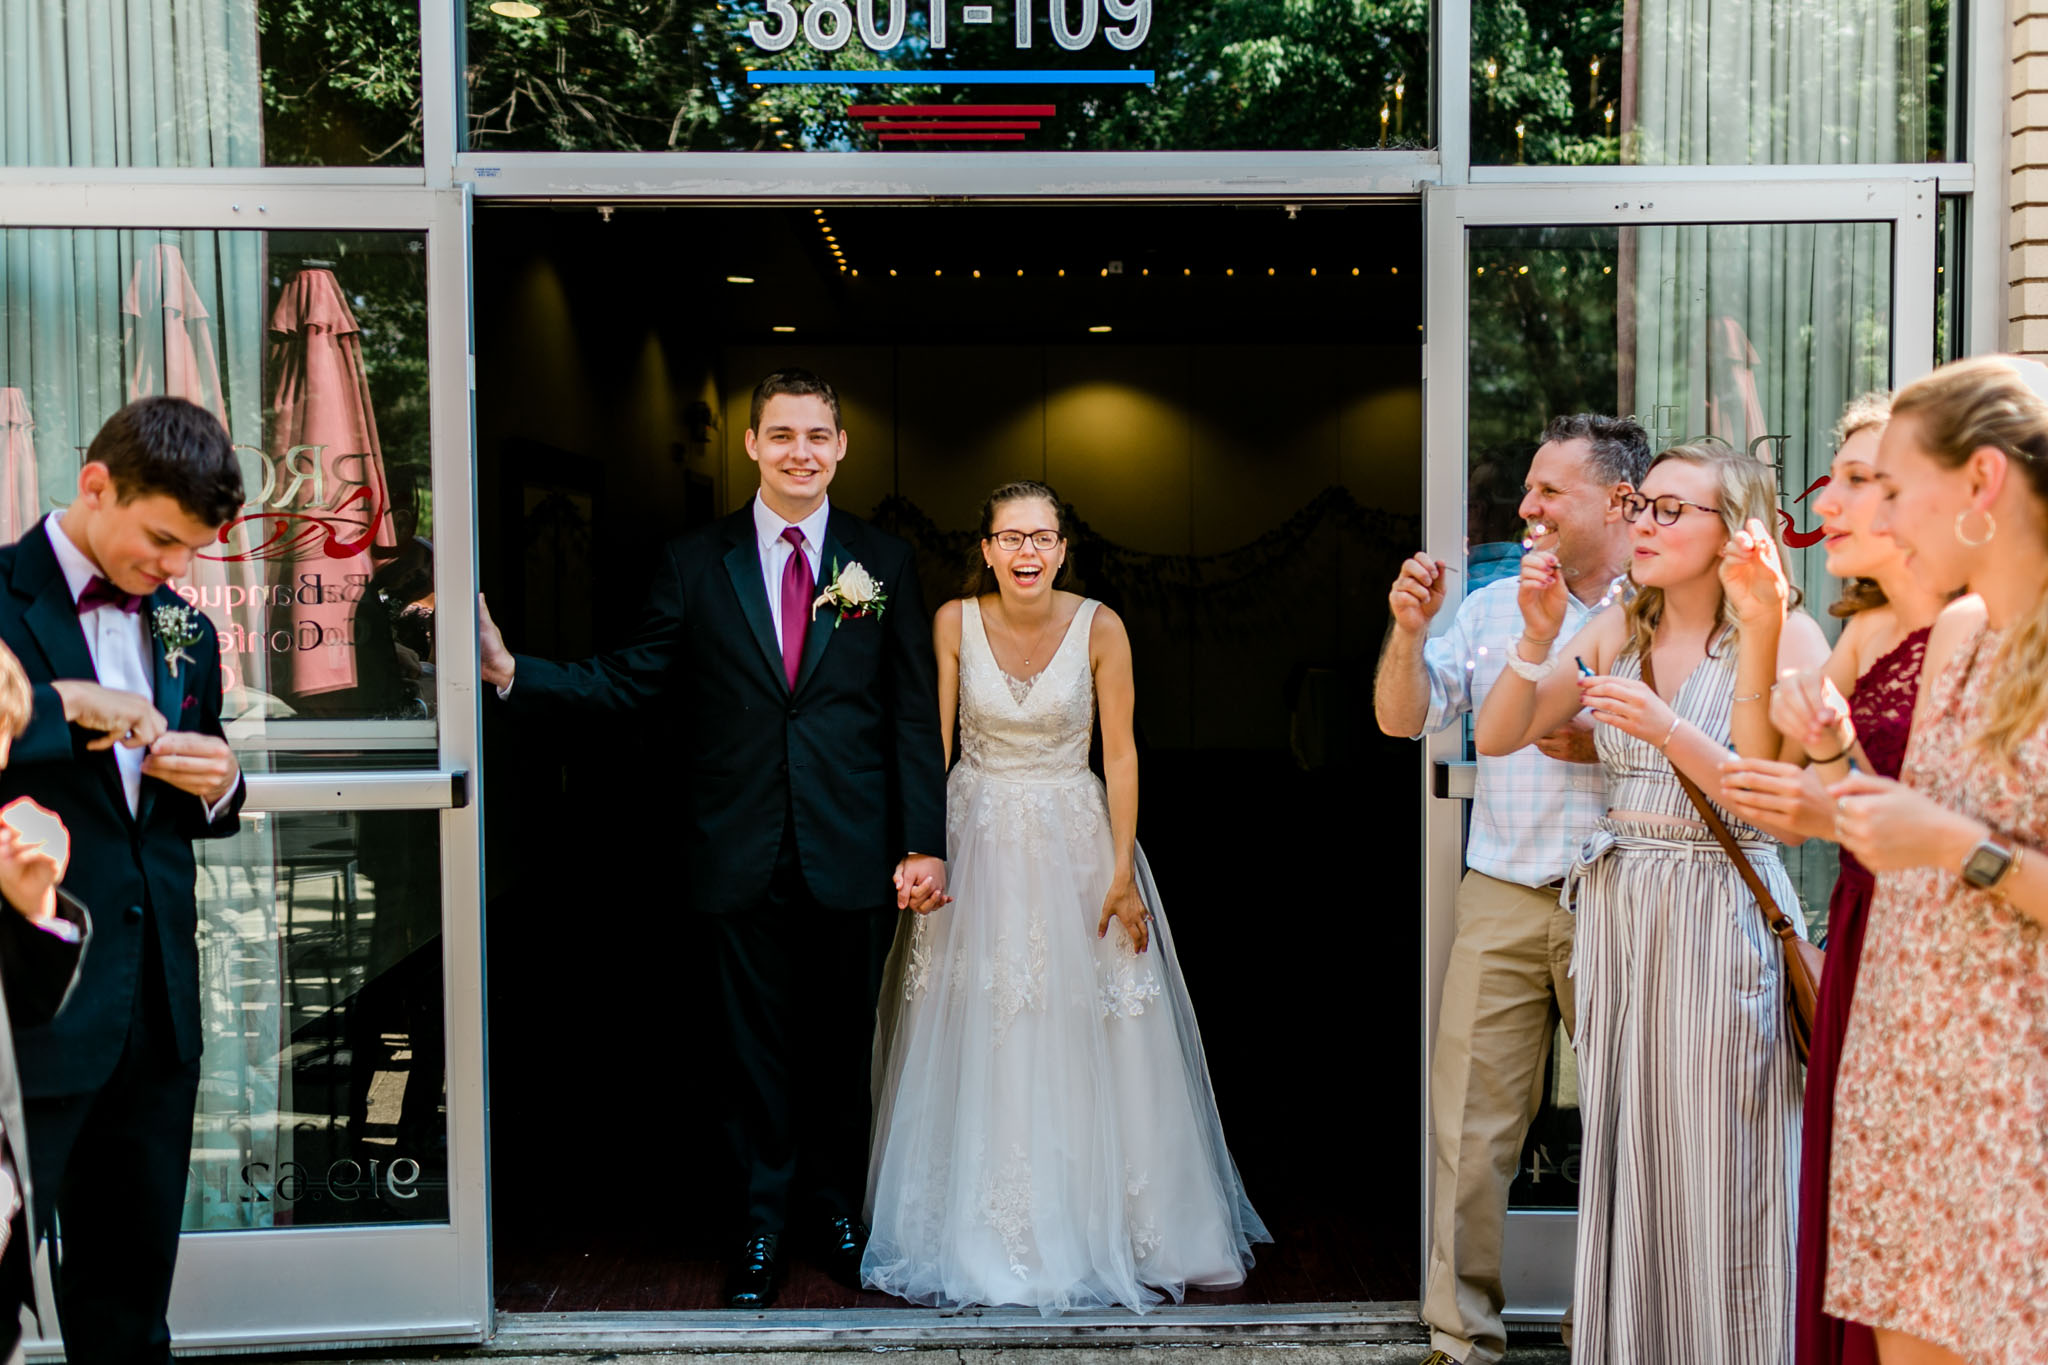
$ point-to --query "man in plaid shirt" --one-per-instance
(1508, 983)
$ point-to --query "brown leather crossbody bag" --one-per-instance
(1803, 962)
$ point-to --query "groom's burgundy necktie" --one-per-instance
(798, 586)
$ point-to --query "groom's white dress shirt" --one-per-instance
(775, 551)
(118, 642)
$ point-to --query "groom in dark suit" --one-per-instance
(811, 803)
(124, 743)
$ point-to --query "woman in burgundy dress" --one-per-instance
(1876, 663)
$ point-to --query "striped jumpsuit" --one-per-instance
(1688, 1086)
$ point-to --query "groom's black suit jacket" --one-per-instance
(136, 872)
(851, 758)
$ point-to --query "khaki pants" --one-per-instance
(1507, 986)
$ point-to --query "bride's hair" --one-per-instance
(980, 580)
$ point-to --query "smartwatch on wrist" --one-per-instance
(1988, 864)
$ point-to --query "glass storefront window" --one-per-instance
(1667, 83)
(1754, 335)
(312, 350)
(930, 75)
(322, 1088)
(210, 83)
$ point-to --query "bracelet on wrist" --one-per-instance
(1534, 672)
(1665, 743)
(1831, 758)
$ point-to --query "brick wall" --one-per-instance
(2028, 163)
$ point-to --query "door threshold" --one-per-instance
(880, 1328)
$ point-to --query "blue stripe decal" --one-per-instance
(949, 78)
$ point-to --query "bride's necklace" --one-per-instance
(1038, 645)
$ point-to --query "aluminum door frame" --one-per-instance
(354, 1286)
(1537, 1257)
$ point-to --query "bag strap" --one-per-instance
(1766, 904)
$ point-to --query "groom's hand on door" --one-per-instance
(921, 884)
(494, 660)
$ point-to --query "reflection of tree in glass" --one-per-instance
(671, 75)
(1533, 68)
(341, 82)
(1543, 329)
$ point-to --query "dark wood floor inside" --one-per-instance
(1315, 1258)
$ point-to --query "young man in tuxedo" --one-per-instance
(124, 743)
(812, 793)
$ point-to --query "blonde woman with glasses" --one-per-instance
(1939, 1179)
(1688, 1085)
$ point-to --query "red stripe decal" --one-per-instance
(952, 110)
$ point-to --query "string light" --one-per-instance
(977, 274)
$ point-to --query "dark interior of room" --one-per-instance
(1229, 397)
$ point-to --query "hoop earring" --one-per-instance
(1990, 529)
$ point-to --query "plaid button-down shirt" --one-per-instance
(1529, 813)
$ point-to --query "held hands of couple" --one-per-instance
(921, 883)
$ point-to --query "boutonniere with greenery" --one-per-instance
(177, 626)
(853, 593)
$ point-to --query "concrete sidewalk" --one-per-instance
(1270, 1353)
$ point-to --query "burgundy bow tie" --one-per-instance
(101, 593)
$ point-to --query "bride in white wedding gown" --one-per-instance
(1045, 1131)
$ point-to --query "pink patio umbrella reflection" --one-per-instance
(324, 438)
(170, 343)
(20, 494)
(170, 348)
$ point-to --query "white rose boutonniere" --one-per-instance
(177, 626)
(853, 593)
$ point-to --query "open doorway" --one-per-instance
(1229, 397)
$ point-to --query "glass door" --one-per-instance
(1742, 312)
(335, 1190)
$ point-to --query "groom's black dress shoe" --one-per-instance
(755, 1274)
(845, 1239)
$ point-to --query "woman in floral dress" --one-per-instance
(1876, 663)
(1939, 1184)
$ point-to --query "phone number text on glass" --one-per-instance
(829, 25)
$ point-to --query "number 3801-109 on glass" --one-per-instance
(829, 25)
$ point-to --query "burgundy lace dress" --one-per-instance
(1883, 711)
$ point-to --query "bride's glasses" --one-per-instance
(1666, 509)
(1012, 541)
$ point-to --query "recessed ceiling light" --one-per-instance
(739, 279)
(782, 329)
(1103, 328)
(515, 9)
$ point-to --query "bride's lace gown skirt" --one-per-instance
(1045, 1132)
